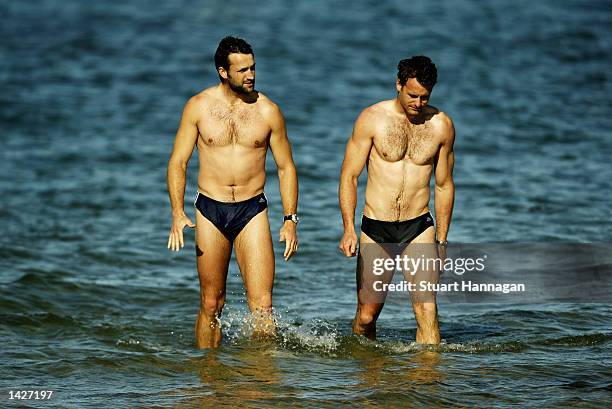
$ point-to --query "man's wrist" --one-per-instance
(349, 226)
(350, 230)
(178, 213)
(293, 218)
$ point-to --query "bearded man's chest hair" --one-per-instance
(222, 126)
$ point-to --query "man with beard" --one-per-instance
(232, 126)
(403, 141)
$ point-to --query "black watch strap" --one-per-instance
(293, 217)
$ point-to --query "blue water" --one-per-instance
(95, 308)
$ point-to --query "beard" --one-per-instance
(239, 88)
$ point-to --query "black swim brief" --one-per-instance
(396, 232)
(230, 217)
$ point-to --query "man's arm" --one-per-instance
(444, 195)
(287, 176)
(184, 143)
(355, 157)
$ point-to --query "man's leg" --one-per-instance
(424, 302)
(213, 252)
(369, 302)
(255, 257)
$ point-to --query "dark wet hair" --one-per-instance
(419, 67)
(230, 45)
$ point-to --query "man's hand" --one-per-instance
(175, 241)
(288, 234)
(348, 243)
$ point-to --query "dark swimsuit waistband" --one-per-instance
(257, 196)
(396, 223)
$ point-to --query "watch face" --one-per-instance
(294, 218)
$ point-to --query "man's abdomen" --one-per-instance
(395, 196)
(231, 174)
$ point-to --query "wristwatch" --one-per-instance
(442, 243)
(293, 217)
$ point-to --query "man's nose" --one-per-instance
(418, 102)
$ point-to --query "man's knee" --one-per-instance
(366, 317)
(212, 305)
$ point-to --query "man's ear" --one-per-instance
(222, 72)
(398, 85)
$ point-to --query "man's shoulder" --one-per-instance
(442, 123)
(381, 108)
(369, 120)
(374, 113)
(205, 96)
(201, 99)
(436, 118)
(267, 107)
(439, 116)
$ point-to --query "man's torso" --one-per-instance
(400, 164)
(232, 145)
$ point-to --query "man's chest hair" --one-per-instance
(224, 125)
(397, 140)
